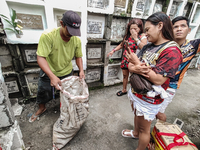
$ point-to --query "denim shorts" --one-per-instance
(45, 90)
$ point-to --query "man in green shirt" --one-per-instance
(56, 49)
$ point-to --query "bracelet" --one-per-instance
(138, 42)
(114, 50)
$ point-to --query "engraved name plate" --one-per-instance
(93, 75)
(120, 3)
(94, 53)
(12, 86)
(118, 28)
(113, 71)
(140, 5)
(32, 78)
(30, 21)
(31, 55)
(94, 27)
(102, 4)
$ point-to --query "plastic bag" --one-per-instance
(73, 110)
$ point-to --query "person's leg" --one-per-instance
(161, 116)
(135, 131)
(125, 79)
(44, 94)
(144, 132)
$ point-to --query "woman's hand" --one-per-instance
(141, 69)
(110, 54)
(134, 34)
(132, 57)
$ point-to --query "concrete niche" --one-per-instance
(13, 85)
(102, 4)
(32, 82)
(29, 54)
(94, 54)
(118, 28)
(95, 26)
(93, 75)
(5, 59)
(116, 54)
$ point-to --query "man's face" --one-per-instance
(181, 29)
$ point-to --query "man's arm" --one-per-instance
(55, 81)
(79, 63)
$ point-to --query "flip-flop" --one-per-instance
(125, 133)
(120, 93)
(34, 117)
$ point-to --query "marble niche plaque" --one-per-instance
(94, 53)
(30, 21)
(102, 4)
(173, 9)
(140, 5)
(12, 87)
(93, 75)
(33, 82)
(120, 3)
(118, 28)
(94, 27)
(113, 72)
(31, 55)
(116, 54)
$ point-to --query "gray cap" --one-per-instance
(73, 22)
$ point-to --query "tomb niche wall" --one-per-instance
(103, 28)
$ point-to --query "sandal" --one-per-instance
(126, 132)
(34, 117)
(120, 93)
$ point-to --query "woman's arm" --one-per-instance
(115, 49)
(146, 71)
(142, 42)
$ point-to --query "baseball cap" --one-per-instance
(73, 22)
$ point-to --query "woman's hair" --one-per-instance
(136, 21)
(167, 30)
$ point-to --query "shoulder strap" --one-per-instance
(169, 44)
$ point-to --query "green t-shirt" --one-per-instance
(57, 52)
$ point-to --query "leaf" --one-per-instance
(8, 22)
(4, 16)
(10, 29)
(13, 15)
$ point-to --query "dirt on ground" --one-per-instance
(109, 115)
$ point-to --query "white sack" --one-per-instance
(74, 99)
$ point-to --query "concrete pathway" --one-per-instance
(109, 115)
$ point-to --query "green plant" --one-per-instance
(17, 29)
(110, 60)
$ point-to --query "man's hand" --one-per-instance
(141, 69)
(82, 75)
(55, 81)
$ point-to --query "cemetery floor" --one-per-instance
(109, 115)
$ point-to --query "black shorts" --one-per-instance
(45, 90)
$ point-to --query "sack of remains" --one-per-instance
(73, 110)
